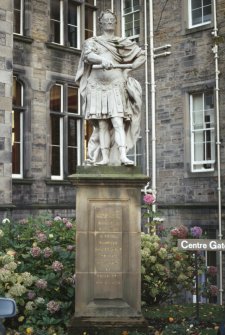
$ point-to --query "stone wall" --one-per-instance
(190, 67)
(39, 64)
(6, 45)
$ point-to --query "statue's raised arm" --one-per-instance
(111, 100)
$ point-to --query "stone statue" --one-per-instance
(111, 99)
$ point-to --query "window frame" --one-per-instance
(78, 119)
(60, 116)
(78, 27)
(94, 9)
(64, 24)
(210, 260)
(204, 131)
(132, 37)
(64, 116)
(135, 154)
(59, 35)
(203, 23)
(21, 16)
(20, 110)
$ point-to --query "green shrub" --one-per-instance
(37, 270)
(166, 270)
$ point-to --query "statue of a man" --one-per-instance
(111, 99)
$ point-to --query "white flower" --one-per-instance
(11, 266)
(5, 275)
(17, 290)
(1, 233)
(27, 278)
(5, 220)
(57, 218)
(29, 306)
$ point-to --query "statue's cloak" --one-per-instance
(123, 51)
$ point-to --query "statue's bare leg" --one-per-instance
(120, 139)
(104, 139)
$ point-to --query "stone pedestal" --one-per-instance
(108, 255)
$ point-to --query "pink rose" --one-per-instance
(53, 306)
(41, 237)
(57, 266)
(69, 225)
(149, 199)
(35, 251)
(47, 252)
(41, 283)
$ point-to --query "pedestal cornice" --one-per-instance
(108, 175)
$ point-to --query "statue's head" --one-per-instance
(107, 16)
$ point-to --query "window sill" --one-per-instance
(187, 205)
(63, 48)
(53, 182)
(6, 207)
(21, 181)
(193, 30)
(22, 38)
(202, 174)
(45, 206)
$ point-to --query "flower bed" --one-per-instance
(37, 270)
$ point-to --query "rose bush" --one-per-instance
(153, 219)
(37, 270)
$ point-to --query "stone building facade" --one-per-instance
(6, 59)
(190, 102)
(43, 136)
(189, 172)
(47, 129)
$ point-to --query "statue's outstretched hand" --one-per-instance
(107, 64)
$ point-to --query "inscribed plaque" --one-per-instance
(108, 286)
(108, 252)
(108, 217)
